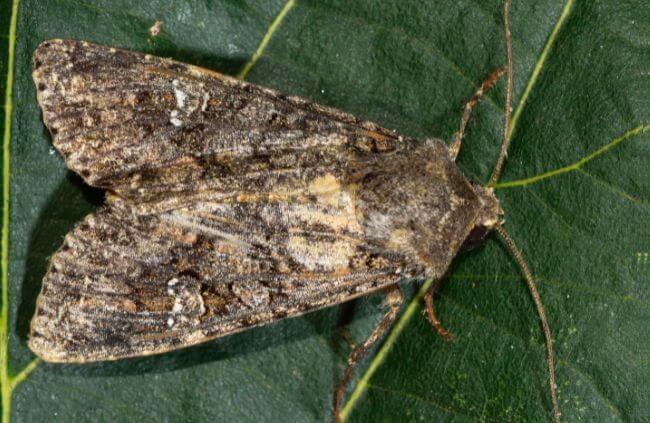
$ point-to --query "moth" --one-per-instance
(231, 206)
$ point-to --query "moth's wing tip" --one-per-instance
(41, 343)
(58, 44)
(51, 349)
(46, 48)
(47, 350)
(52, 60)
(54, 52)
(44, 355)
(46, 59)
(45, 339)
(37, 341)
(47, 345)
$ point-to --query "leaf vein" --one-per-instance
(380, 356)
(612, 188)
(539, 64)
(266, 38)
(5, 382)
(631, 133)
(24, 373)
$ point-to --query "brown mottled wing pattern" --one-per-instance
(145, 127)
(230, 205)
(125, 285)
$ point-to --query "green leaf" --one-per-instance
(575, 189)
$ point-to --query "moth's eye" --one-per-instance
(475, 237)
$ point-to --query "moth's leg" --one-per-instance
(348, 339)
(431, 313)
(394, 300)
(456, 143)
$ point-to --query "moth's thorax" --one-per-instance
(419, 204)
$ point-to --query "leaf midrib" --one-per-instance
(6, 385)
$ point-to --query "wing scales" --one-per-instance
(140, 125)
(123, 285)
(229, 205)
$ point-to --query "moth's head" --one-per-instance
(490, 215)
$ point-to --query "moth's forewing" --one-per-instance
(231, 205)
(144, 126)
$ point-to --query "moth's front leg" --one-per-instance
(430, 312)
(394, 301)
(454, 147)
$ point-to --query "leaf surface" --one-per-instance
(575, 189)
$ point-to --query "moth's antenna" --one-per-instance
(496, 172)
(540, 312)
